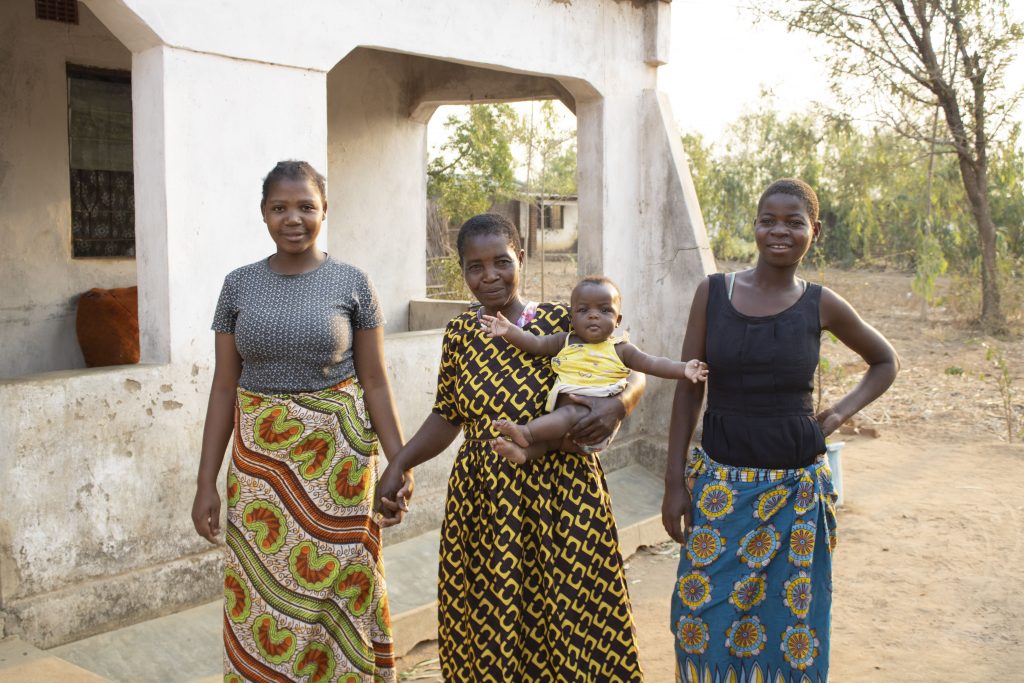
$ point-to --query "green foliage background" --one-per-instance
(477, 165)
(872, 186)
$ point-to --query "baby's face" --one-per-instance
(595, 311)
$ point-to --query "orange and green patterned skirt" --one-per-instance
(304, 589)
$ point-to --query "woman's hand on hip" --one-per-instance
(605, 415)
(677, 512)
(829, 421)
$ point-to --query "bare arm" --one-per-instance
(839, 318)
(396, 484)
(368, 356)
(220, 420)
(659, 366)
(686, 405)
(538, 345)
(433, 436)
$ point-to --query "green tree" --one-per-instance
(921, 55)
(1006, 170)
(475, 166)
(870, 185)
(549, 151)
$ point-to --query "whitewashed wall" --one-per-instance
(39, 280)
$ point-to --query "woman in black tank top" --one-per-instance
(753, 596)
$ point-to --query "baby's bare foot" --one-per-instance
(520, 434)
(510, 451)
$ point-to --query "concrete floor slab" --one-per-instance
(49, 670)
(187, 647)
(21, 662)
(178, 648)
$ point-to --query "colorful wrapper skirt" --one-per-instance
(304, 583)
(753, 599)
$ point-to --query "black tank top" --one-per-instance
(760, 410)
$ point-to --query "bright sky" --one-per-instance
(720, 60)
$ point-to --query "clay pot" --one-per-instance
(107, 323)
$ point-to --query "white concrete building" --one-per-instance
(97, 466)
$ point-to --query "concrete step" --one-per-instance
(186, 647)
(20, 662)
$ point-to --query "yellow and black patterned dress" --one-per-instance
(531, 582)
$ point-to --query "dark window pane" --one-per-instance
(58, 10)
(100, 152)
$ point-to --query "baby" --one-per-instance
(588, 361)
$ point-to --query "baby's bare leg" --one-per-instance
(518, 455)
(537, 437)
(518, 434)
(556, 424)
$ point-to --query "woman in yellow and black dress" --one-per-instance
(531, 583)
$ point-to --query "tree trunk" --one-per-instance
(975, 181)
(532, 229)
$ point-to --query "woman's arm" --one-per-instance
(839, 318)
(220, 420)
(368, 356)
(435, 434)
(686, 404)
(396, 484)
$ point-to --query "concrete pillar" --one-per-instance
(590, 183)
(674, 250)
(208, 129)
(377, 178)
(640, 224)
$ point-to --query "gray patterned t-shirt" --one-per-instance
(294, 332)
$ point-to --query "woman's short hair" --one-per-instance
(294, 170)
(795, 188)
(487, 224)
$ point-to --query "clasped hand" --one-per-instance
(394, 490)
(605, 414)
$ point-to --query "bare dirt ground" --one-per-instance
(929, 569)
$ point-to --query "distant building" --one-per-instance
(559, 218)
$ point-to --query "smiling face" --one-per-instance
(294, 211)
(490, 265)
(595, 311)
(783, 229)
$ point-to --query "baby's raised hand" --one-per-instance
(495, 325)
(696, 371)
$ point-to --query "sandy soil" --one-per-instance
(930, 564)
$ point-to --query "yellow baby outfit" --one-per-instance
(588, 370)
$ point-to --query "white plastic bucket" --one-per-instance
(834, 451)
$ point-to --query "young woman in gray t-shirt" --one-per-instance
(300, 379)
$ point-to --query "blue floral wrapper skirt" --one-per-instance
(753, 600)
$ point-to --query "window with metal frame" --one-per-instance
(65, 11)
(100, 156)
